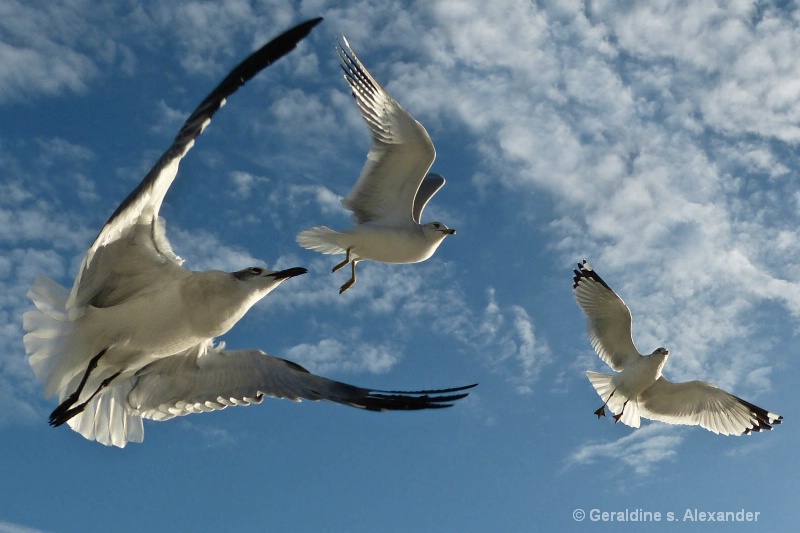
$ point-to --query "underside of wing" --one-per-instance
(429, 186)
(608, 319)
(220, 378)
(400, 154)
(699, 403)
(143, 203)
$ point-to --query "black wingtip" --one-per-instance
(585, 271)
(763, 421)
(413, 400)
(244, 71)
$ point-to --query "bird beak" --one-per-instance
(289, 273)
(448, 231)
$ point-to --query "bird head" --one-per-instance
(266, 280)
(437, 229)
(662, 352)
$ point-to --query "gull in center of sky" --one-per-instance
(639, 390)
(393, 188)
(134, 337)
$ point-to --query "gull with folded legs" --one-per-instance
(639, 390)
(134, 337)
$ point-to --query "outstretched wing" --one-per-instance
(696, 403)
(608, 319)
(192, 383)
(400, 155)
(142, 205)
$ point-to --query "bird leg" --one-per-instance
(59, 411)
(617, 417)
(352, 279)
(343, 263)
(69, 413)
(602, 411)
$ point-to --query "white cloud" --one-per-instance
(202, 250)
(9, 527)
(507, 339)
(50, 48)
(349, 355)
(243, 183)
(640, 452)
(211, 436)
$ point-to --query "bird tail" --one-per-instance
(108, 419)
(604, 385)
(321, 239)
(47, 329)
(47, 335)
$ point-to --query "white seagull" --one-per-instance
(134, 337)
(639, 390)
(393, 188)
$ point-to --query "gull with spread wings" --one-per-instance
(393, 188)
(639, 390)
(134, 337)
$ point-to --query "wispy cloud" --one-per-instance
(211, 436)
(349, 355)
(51, 48)
(8, 527)
(642, 451)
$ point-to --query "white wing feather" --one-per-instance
(608, 319)
(194, 383)
(399, 157)
(699, 403)
(142, 205)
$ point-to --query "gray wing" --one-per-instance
(429, 186)
(400, 154)
(608, 319)
(143, 203)
(192, 383)
(696, 403)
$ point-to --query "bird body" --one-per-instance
(377, 242)
(639, 389)
(393, 188)
(182, 312)
(135, 337)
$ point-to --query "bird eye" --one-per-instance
(437, 225)
(254, 270)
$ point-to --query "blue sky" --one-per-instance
(657, 140)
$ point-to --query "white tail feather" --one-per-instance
(48, 328)
(604, 385)
(321, 239)
(108, 420)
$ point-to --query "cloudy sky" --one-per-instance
(658, 140)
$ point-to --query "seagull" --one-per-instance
(134, 338)
(639, 390)
(393, 188)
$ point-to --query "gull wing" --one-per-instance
(696, 403)
(193, 383)
(142, 205)
(429, 186)
(608, 319)
(400, 154)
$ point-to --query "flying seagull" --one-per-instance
(393, 188)
(639, 390)
(134, 337)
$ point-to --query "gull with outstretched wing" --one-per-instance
(393, 188)
(639, 390)
(134, 337)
